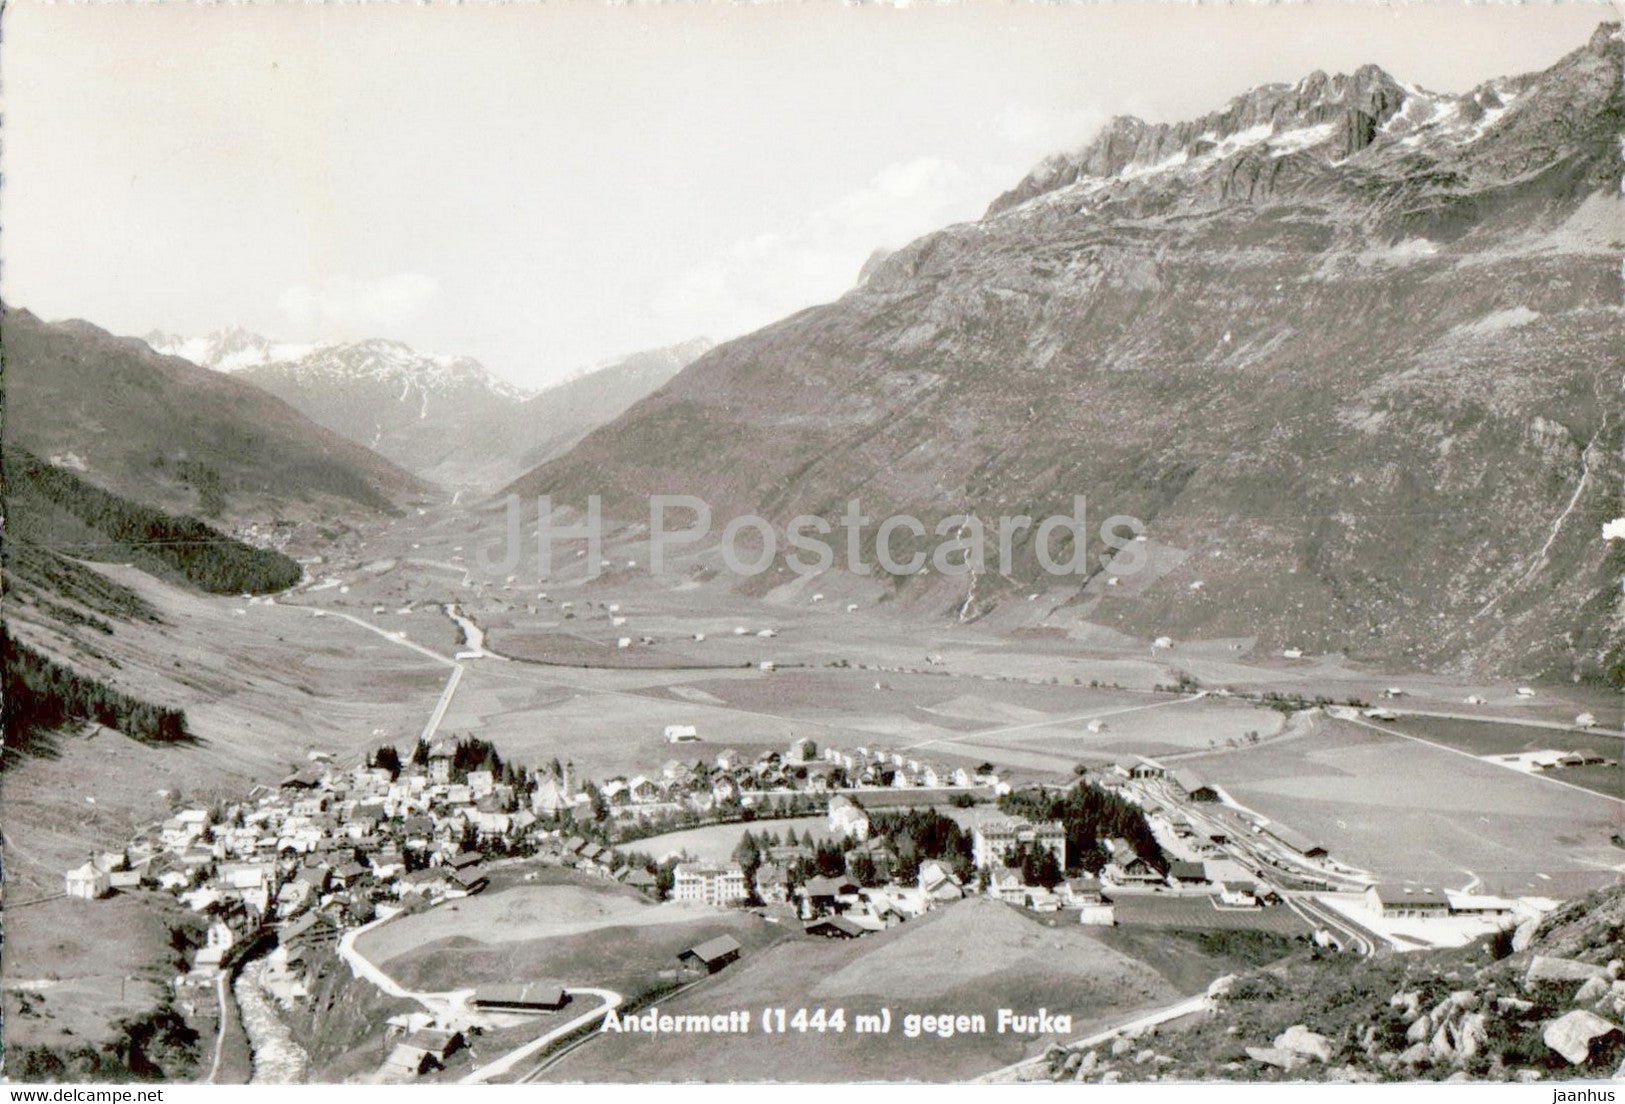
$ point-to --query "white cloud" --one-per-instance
(1036, 132)
(762, 278)
(349, 304)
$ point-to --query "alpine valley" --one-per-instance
(306, 780)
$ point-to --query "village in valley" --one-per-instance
(287, 877)
(755, 590)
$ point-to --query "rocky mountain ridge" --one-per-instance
(1361, 400)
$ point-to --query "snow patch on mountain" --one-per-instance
(384, 361)
(228, 350)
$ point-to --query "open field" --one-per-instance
(1481, 738)
(520, 913)
(974, 957)
(263, 685)
(1409, 812)
(574, 932)
(1196, 726)
(1197, 913)
(72, 968)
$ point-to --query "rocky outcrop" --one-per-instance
(1575, 1035)
(1275, 1056)
(1351, 108)
(1299, 1040)
(1545, 968)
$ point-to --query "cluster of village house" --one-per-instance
(841, 907)
(735, 775)
(331, 848)
(334, 847)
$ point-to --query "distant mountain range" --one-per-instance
(1348, 347)
(447, 419)
(164, 432)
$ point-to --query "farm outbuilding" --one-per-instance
(1195, 787)
(422, 1052)
(530, 996)
(833, 927)
(1181, 872)
(710, 956)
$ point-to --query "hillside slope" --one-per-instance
(165, 432)
(1346, 347)
(549, 423)
(1550, 1009)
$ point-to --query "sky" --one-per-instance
(549, 186)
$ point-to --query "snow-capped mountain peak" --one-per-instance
(227, 350)
(379, 360)
(383, 360)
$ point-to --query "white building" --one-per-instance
(681, 734)
(846, 819)
(994, 839)
(86, 882)
(713, 883)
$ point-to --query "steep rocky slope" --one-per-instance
(1347, 347)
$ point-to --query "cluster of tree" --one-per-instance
(470, 753)
(825, 858)
(154, 540)
(41, 694)
(386, 758)
(1293, 703)
(1038, 866)
(663, 871)
(1184, 683)
(919, 834)
(1088, 814)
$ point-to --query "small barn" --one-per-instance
(422, 1052)
(530, 996)
(710, 956)
(470, 881)
(833, 927)
(1195, 787)
(1297, 841)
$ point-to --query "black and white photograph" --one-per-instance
(814, 544)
